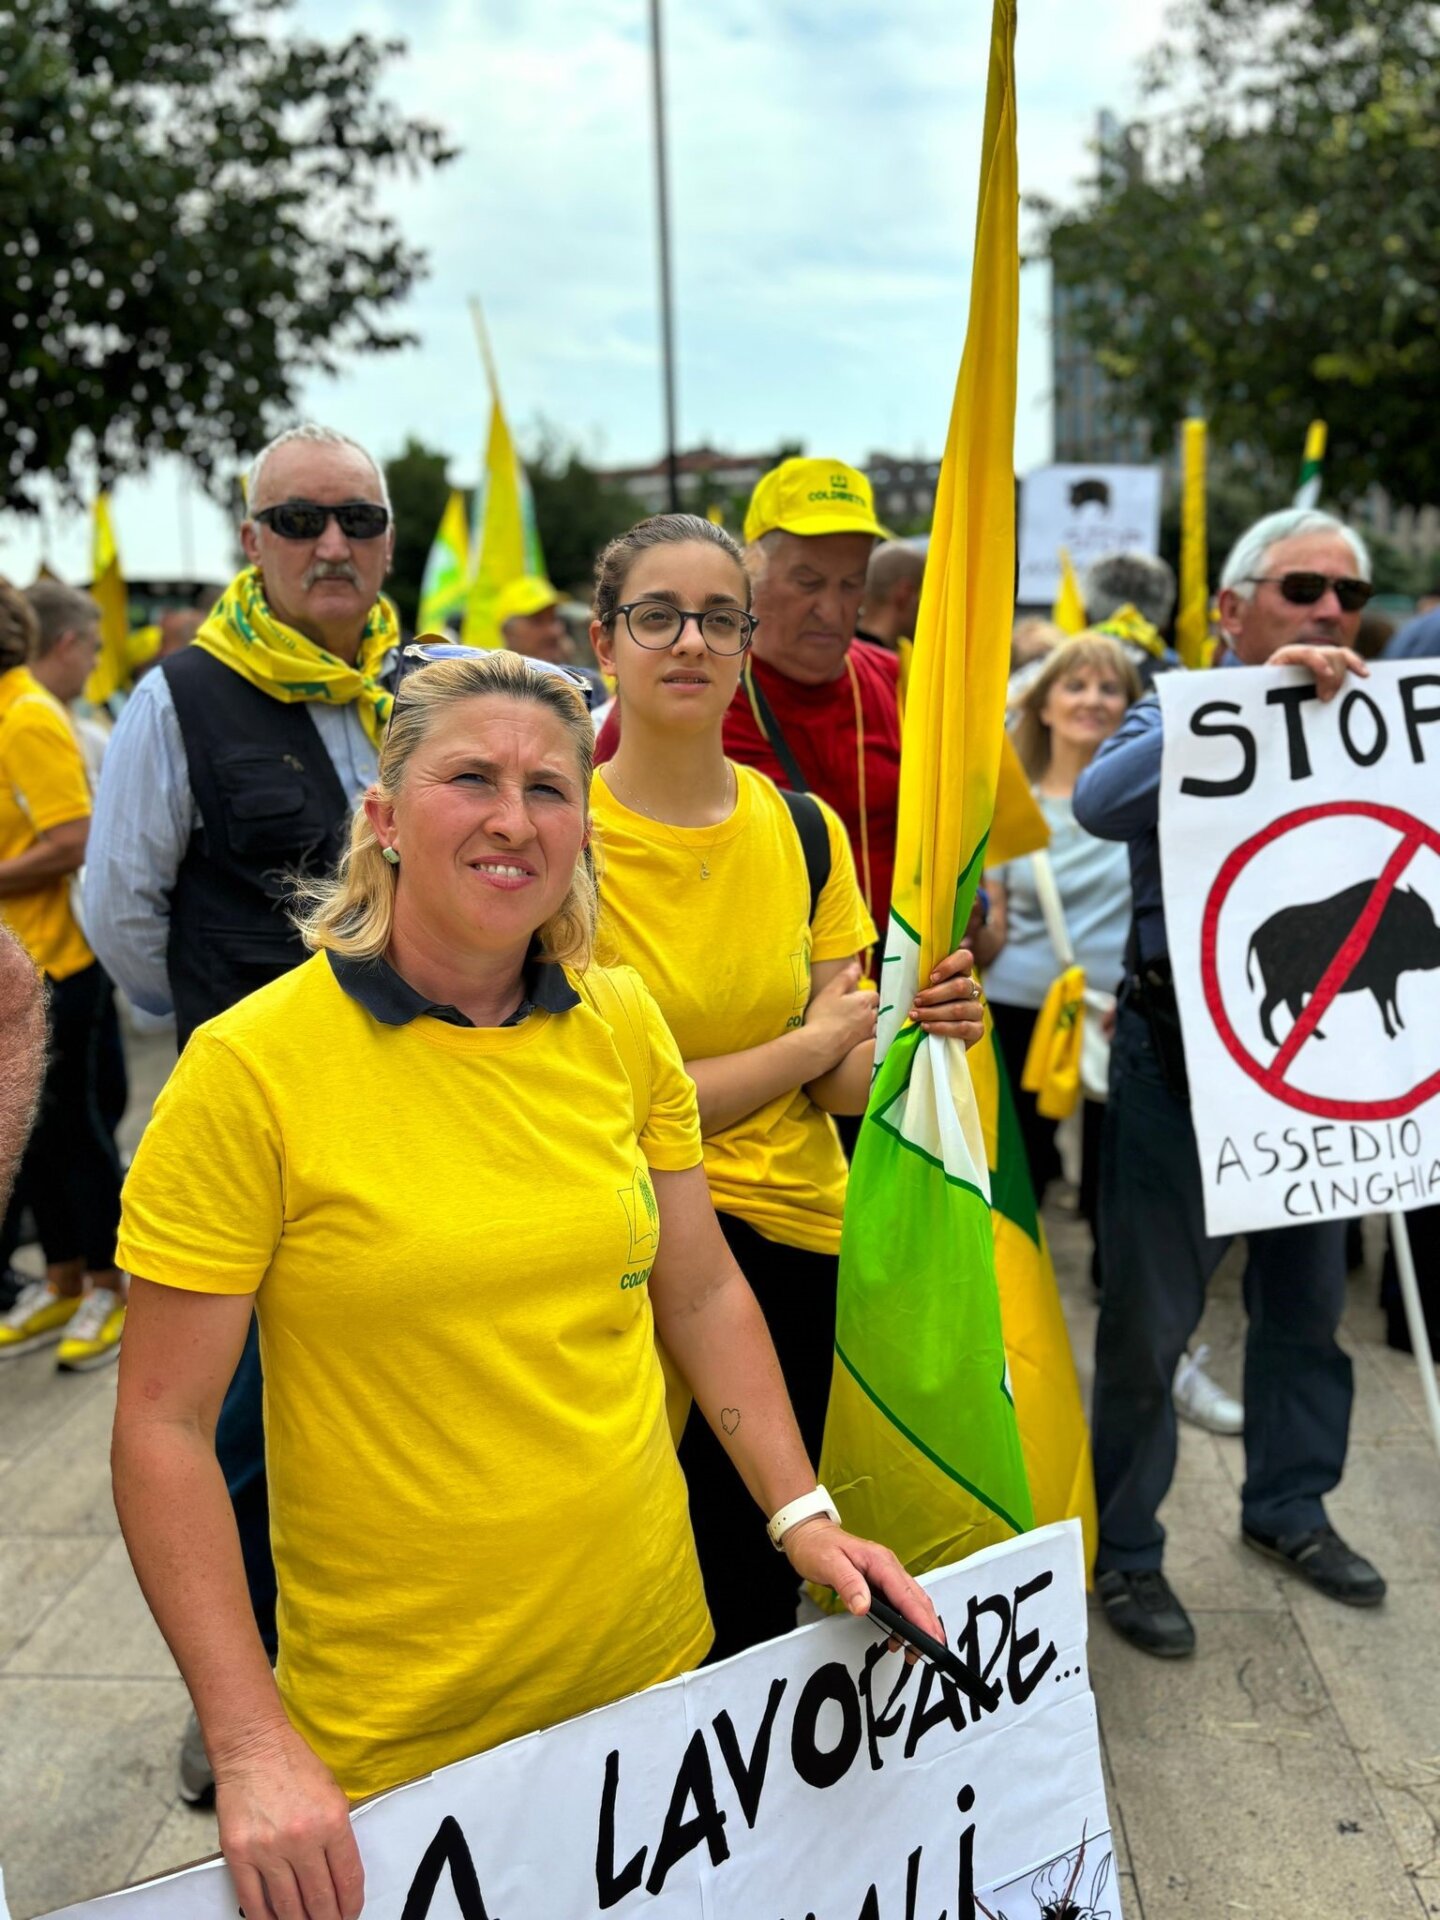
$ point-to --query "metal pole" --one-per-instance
(662, 210)
(1415, 1320)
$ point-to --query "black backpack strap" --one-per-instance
(814, 841)
(770, 727)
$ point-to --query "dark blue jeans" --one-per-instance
(240, 1449)
(1158, 1262)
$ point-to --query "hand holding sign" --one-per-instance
(285, 1831)
(1328, 664)
(820, 1551)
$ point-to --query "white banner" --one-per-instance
(1090, 511)
(814, 1778)
(1301, 862)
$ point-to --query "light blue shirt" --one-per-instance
(1093, 880)
(144, 816)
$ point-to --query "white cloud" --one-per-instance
(823, 159)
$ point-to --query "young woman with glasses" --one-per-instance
(706, 889)
(456, 1171)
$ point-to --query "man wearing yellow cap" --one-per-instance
(527, 613)
(818, 709)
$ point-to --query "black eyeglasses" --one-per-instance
(658, 625)
(1305, 589)
(305, 519)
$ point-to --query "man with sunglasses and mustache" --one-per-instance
(1291, 595)
(235, 766)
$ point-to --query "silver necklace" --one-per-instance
(731, 795)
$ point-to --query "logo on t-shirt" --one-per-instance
(642, 1216)
(800, 982)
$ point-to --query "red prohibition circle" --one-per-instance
(1274, 1083)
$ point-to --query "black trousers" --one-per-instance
(752, 1590)
(1013, 1029)
(70, 1174)
(1158, 1262)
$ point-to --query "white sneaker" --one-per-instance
(1199, 1400)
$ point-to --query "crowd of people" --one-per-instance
(477, 1267)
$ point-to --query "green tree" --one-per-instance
(188, 204)
(418, 492)
(576, 510)
(1267, 250)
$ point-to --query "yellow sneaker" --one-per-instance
(37, 1317)
(93, 1337)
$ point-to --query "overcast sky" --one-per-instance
(823, 168)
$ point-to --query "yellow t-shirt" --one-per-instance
(479, 1523)
(729, 960)
(42, 785)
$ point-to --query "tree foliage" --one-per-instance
(419, 490)
(1267, 249)
(577, 510)
(190, 226)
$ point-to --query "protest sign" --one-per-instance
(1300, 847)
(1089, 511)
(816, 1777)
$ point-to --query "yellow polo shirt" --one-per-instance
(728, 957)
(42, 785)
(479, 1523)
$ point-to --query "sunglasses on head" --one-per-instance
(305, 519)
(425, 651)
(1305, 589)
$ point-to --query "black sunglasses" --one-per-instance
(1304, 589)
(305, 519)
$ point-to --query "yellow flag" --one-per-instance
(1019, 827)
(1192, 621)
(107, 587)
(1068, 613)
(500, 548)
(445, 586)
(955, 1416)
(1312, 466)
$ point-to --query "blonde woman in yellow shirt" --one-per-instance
(706, 892)
(456, 1172)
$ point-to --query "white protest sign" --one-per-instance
(815, 1778)
(1090, 511)
(1301, 863)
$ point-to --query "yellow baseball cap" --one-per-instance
(811, 497)
(529, 594)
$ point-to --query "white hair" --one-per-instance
(1251, 552)
(309, 433)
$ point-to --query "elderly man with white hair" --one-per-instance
(236, 765)
(1291, 594)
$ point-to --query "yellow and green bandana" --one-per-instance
(244, 634)
(1127, 623)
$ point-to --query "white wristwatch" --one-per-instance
(807, 1507)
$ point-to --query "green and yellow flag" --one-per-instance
(1192, 618)
(445, 584)
(1307, 494)
(506, 541)
(1068, 612)
(107, 586)
(922, 1446)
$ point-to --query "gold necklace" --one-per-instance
(732, 794)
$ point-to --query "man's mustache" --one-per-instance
(331, 570)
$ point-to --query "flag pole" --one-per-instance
(662, 211)
(482, 336)
(1415, 1319)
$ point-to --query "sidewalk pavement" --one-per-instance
(1291, 1769)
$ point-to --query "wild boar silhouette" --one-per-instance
(1297, 944)
(1092, 492)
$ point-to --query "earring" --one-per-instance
(392, 854)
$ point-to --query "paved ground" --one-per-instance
(1291, 1770)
